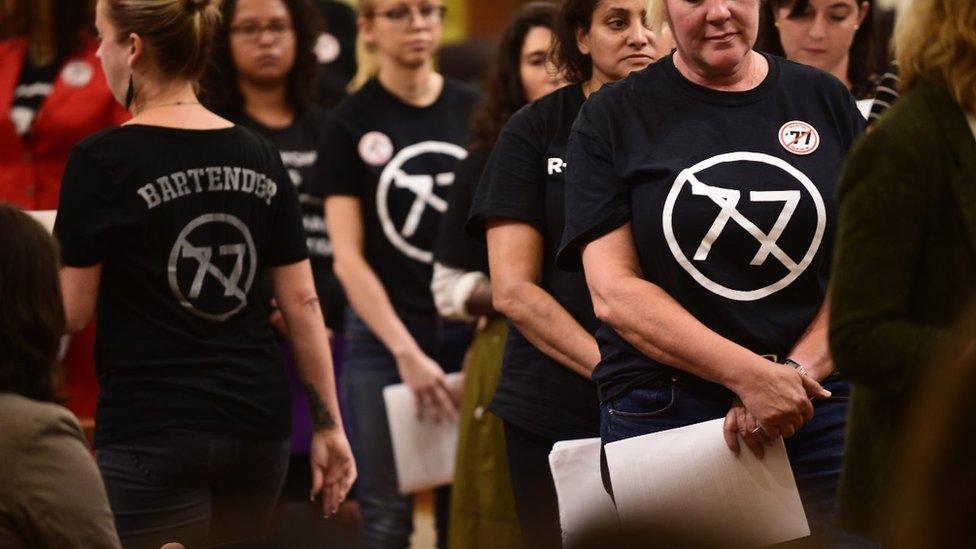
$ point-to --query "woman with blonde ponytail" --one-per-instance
(386, 161)
(167, 225)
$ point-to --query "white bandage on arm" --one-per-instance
(452, 288)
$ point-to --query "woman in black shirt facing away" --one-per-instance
(701, 197)
(386, 161)
(483, 513)
(545, 393)
(167, 222)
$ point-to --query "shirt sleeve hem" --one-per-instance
(476, 226)
(569, 257)
(287, 260)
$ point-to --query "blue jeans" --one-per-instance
(369, 367)
(816, 452)
(196, 488)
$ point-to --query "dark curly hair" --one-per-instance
(503, 84)
(219, 89)
(32, 316)
(575, 65)
(862, 70)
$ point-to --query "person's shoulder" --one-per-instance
(910, 121)
(359, 105)
(459, 91)
(550, 108)
(107, 139)
(357, 100)
(798, 76)
(23, 420)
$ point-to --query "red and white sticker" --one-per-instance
(375, 148)
(327, 48)
(798, 137)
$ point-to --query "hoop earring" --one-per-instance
(129, 93)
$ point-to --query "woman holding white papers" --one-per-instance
(545, 393)
(700, 201)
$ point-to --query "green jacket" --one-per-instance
(904, 271)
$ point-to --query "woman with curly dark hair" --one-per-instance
(483, 513)
(545, 393)
(263, 76)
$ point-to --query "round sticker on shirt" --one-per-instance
(744, 225)
(798, 137)
(404, 197)
(327, 48)
(77, 73)
(375, 148)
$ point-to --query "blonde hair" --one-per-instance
(367, 66)
(656, 15)
(936, 39)
(179, 34)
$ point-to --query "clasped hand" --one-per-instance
(775, 404)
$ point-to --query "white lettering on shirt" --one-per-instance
(218, 179)
(556, 165)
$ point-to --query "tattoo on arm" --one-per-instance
(321, 418)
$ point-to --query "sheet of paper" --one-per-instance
(422, 450)
(583, 501)
(689, 480)
(44, 217)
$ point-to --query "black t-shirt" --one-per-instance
(298, 145)
(730, 195)
(34, 86)
(455, 247)
(399, 161)
(183, 222)
(524, 180)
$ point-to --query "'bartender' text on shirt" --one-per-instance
(212, 178)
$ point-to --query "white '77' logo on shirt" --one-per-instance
(727, 200)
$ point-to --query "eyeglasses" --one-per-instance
(251, 32)
(401, 15)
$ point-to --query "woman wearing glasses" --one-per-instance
(262, 76)
(386, 161)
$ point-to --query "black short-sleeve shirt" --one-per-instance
(524, 180)
(298, 144)
(183, 223)
(399, 161)
(730, 196)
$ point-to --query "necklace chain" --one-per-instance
(161, 105)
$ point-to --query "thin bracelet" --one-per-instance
(796, 366)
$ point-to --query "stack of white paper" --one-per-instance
(688, 480)
(584, 504)
(424, 451)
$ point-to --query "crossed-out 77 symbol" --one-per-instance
(423, 185)
(245, 261)
(728, 200)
